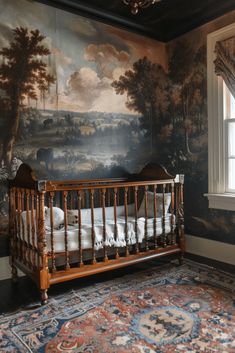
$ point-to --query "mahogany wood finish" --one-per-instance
(28, 238)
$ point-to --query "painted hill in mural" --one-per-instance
(63, 143)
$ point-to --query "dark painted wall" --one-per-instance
(188, 74)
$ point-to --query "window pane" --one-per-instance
(231, 174)
(229, 103)
(232, 102)
(231, 139)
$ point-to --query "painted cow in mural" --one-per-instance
(45, 156)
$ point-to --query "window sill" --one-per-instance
(224, 201)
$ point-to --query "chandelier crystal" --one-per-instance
(136, 5)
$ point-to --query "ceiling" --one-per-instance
(163, 21)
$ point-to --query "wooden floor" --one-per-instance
(24, 295)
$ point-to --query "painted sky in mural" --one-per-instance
(86, 56)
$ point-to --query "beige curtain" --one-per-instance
(225, 62)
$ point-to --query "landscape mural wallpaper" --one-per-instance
(64, 109)
(82, 99)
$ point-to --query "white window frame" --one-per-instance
(217, 195)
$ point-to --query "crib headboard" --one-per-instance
(25, 178)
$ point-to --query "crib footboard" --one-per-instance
(62, 230)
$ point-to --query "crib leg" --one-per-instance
(14, 274)
(181, 258)
(44, 296)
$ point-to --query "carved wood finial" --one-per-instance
(153, 171)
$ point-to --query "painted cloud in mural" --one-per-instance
(85, 86)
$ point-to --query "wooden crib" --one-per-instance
(106, 223)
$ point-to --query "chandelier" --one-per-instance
(136, 5)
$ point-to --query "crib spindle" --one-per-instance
(164, 243)
(19, 240)
(92, 225)
(126, 220)
(65, 200)
(19, 225)
(181, 217)
(51, 202)
(155, 216)
(173, 240)
(146, 217)
(12, 225)
(115, 195)
(80, 259)
(37, 225)
(28, 253)
(23, 228)
(136, 219)
(33, 229)
(16, 235)
(13, 236)
(104, 225)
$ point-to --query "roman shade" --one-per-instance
(225, 62)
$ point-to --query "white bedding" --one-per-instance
(86, 229)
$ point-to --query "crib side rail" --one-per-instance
(106, 184)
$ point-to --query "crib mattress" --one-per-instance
(86, 230)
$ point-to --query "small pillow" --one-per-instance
(159, 197)
(58, 217)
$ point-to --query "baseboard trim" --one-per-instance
(211, 249)
(206, 248)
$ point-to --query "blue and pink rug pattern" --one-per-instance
(187, 309)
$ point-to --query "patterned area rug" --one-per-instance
(163, 310)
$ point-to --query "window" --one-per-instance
(221, 131)
(229, 128)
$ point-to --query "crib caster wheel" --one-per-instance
(44, 296)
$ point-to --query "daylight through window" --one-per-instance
(229, 128)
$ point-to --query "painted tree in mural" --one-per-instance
(22, 72)
(145, 86)
(188, 90)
